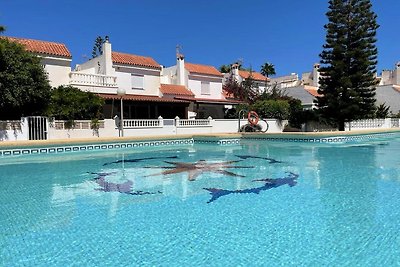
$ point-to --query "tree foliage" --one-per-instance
(348, 62)
(225, 68)
(245, 91)
(24, 86)
(382, 111)
(277, 109)
(70, 103)
(98, 46)
(267, 69)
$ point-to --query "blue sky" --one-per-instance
(287, 33)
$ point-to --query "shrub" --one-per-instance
(276, 109)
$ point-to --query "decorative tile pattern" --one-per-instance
(191, 141)
(84, 147)
(220, 142)
(325, 140)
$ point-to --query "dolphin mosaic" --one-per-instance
(199, 167)
(138, 160)
(271, 160)
(124, 188)
(269, 183)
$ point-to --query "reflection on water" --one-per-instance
(321, 202)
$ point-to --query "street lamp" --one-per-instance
(121, 92)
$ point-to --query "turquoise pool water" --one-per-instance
(255, 204)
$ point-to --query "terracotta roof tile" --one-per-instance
(42, 47)
(172, 89)
(255, 75)
(202, 69)
(227, 95)
(312, 90)
(134, 60)
(142, 98)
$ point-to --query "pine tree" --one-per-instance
(348, 62)
(98, 47)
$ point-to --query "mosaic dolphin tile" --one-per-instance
(290, 180)
(125, 188)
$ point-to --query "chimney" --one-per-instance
(315, 75)
(235, 71)
(107, 69)
(180, 68)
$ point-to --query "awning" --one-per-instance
(142, 98)
(211, 101)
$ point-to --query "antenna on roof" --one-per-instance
(239, 61)
(179, 54)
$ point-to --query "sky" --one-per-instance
(287, 33)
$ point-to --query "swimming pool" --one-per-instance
(256, 203)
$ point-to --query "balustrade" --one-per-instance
(77, 124)
(142, 123)
(79, 78)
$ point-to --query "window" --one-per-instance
(205, 88)
(137, 81)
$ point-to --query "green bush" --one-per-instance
(276, 109)
(69, 103)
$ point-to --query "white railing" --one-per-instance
(193, 123)
(131, 124)
(79, 78)
(76, 125)
(10, 125)
(364, 124)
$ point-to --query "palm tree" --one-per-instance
(267, 69)
(2, 29)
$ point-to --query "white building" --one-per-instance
(260, 82)
(204, 82)
(54, 57)
(387, 91)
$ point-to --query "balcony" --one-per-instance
(99, 80)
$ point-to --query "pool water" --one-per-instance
(254, 204)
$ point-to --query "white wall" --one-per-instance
(169, 75)
(14, 130)
(92, 65)
(109, 130)
(57, 69)
(194, 84)
(152, 80)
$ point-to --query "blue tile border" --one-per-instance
(92, 147)
(220, 142)
(191, 141)
(324, 140)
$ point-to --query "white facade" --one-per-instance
(391, 77)
(203, 85)
(102, 75)
(57, 69)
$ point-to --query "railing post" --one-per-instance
(209, 120)
(160, 121)
(177, 121)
